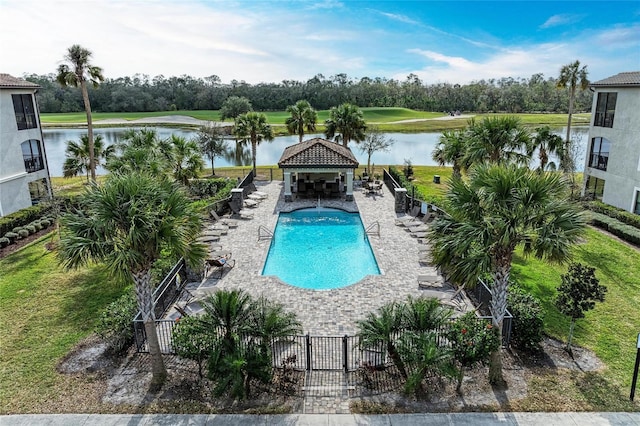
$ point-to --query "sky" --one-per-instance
(271, 41)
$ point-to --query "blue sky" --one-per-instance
(270, 41)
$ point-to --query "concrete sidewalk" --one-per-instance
(473, 419)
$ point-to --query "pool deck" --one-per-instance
(328, 312)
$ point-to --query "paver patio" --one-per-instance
(329, 312)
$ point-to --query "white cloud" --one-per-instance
(327, 4)
(400, 18)
(561, 19)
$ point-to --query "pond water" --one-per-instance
(416, 147)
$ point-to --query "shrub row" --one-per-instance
(614, 212)
(22, 218)
(626, 232)
(413, 189)
(20, 232)
(203, 188)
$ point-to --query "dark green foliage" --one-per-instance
(11, 236)
(193, 340)
(4, 241)
(614, 212)
(38, 225)
(578, 293)
(472, 342)
(17, 229)
(527, 324)
(208, 187)
(45, 223)
(22, 217)
(408, 169)
(628, 233)
(31, 229)
(115, 324)
(23, 233)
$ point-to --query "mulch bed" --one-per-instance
(11, 248)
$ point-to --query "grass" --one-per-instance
(384, 118)
(45, 311)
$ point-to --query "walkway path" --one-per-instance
(453, 419)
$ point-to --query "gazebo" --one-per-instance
(318, 167)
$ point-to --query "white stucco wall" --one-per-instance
(623, 169)
(14, 181)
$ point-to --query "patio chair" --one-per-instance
(250, 203)
(219, 264)
(243, 214)
(255, 198)
(411, 217)
(430, 281)
(231, 223)
(262, 194)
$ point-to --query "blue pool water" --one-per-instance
(320, 249)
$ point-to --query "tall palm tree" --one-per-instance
(546, 143)
(126, 224)
(382, 329)
(303, 116)
(187, 160)
(497, 140)
(142, 150)
(345, 123)
(76, 72)
(254, 127)
(572, 76)
(77, 154)
(499, 209)
(452, 149)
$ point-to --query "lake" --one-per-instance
(416, 147)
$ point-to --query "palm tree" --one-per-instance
(187, 160)
(572, 76)
(345, 123)
(76, 72)
(452, 149)
(254, 127)
(497, 140)
(499, 209)
(142, 150)
(303, 116)
(77, 154)
(424, 315)
(126, 224)
(382, 328)
(546, 143)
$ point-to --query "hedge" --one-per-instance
(437, 200)
(614, 212)
(617, 228)
(22, 217)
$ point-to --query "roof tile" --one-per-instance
(317, 152)
(631, 78)
(9, 81)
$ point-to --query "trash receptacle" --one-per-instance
(436, 179)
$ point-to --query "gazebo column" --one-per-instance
(349, 195)
(287, 187)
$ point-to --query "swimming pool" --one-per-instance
(320, 249)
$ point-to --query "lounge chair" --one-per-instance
(420, 234)
(243, 214)
(456, 301)
(418, 228)
(219, 227)
(210, 233)
(411, 217)
(208, 239)
(255, 198)
(218, 264)
(261, 194)
(430, 281)
(231, 223)
(250, 203)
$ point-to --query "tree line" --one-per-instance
(142, 93)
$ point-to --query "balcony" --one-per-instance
(33, 163)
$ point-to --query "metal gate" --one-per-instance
(319, 353)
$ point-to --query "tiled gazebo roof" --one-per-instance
(317, 153)
(10, 82)
(622, 79)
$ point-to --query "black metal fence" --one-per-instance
(482, 296)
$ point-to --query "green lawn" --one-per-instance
(45, 311)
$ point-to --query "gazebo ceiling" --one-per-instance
(317, 153)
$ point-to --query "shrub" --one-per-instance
(614, 212)
(17, 229)
(31, 229)
(22, 217)
(115, 324)
(11, 236)
(38, 225)
(527, 325)
(4, 241)
(23, 233)
(45, 223)
(617, 228)
(193, 340)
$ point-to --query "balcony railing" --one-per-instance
(33, 163)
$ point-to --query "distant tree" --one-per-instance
(77, 154)
(375, 141)
(234, 106)
(452, 149)
(253, 126)
(578, 293)
(345, 123)
(212, 144)
(303, 116)
(572, 76)
(546, 143)
(76, 72)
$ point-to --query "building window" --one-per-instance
(39, 191)
(636, 210)
(32, 156)
(594, 188)
(605, 109)
(599, 155)
(25, 112)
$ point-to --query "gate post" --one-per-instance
(308, 341)
(345, 353)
